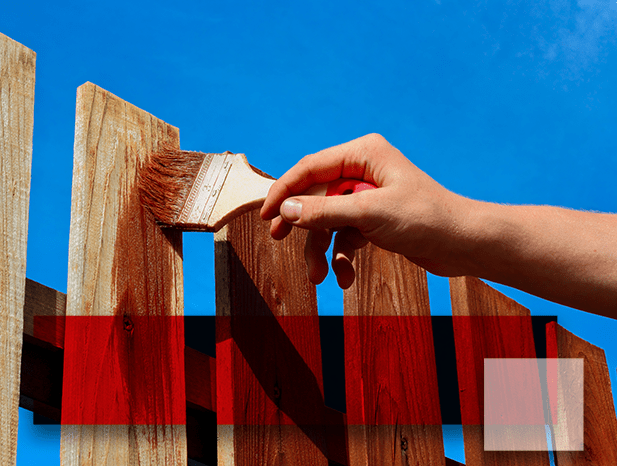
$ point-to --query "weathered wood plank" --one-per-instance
(44, 311)
(393, 407)
(120, 264)
(42, 366)
(17, 75)
(600, 423)
(269, 379)
(47, 307)
(42, 379)
(487, 324)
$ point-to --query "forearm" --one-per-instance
(562, 255)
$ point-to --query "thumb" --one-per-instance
(319, 212)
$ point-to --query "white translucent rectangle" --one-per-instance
(522, 396)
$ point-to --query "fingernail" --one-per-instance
(291, 210)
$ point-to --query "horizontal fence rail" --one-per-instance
(116, 363)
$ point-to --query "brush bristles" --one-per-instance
(166, 180)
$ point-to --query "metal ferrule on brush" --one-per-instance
(206, 189)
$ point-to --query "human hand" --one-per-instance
(409, 213)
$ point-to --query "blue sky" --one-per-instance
(509, 102)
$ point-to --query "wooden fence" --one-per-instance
(261, 399)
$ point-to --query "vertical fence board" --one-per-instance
(17, 67)
(269, 380)
(120, 264)
(600, 424)
(393, 408)
(482, 330)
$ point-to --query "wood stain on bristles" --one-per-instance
(166, 180)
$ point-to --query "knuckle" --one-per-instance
(305, 161)
(376, 138)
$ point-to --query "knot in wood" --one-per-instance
(127, 323)
(403, 444)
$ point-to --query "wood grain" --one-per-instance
(487, 324)
(17, 75)
(47, 307)
(391, 380)
(600, 424)
(44, 311)
(41, 382)
(120, 264)
(42, 367)
(269, 379)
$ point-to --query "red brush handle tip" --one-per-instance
(346, 186)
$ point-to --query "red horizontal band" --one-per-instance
(125, 370)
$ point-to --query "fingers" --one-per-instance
(343, 252)
(348, 160)
(345, 243)
(317, 244)
(319, 212)
(370, 158)
(279, 228)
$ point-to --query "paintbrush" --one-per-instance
(195, 191)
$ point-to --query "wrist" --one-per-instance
(493, 240)
(480, 232)
(456, 237)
